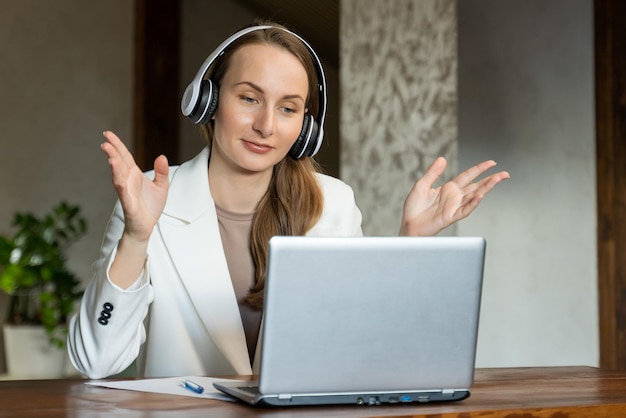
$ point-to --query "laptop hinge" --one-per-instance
(448, 392)
(284, 396)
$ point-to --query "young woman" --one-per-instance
(180, 278)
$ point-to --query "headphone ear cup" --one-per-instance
(207, 104)
(306, 144)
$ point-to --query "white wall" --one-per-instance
(65, 76)
(526, 99)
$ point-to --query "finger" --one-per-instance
(466, 209)
(121, 149)
(108, 149)
(161, 170)
(487, 184)
(475, 192)
(435, 170)
(112, 139)
(472, 173)
(119, 168)
(114, 159)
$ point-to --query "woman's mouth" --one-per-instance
(257, 148)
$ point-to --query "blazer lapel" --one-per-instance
(191, 234)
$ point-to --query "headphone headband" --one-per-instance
(192, 95)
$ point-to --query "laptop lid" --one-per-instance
(370, 319)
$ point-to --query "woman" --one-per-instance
(179, 283)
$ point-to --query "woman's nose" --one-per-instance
(264, 122)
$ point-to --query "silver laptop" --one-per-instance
(368, 320)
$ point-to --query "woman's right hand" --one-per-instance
(142, 199)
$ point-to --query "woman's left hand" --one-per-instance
(427, 210)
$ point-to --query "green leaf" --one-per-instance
(33, 258)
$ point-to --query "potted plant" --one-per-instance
(33, 272)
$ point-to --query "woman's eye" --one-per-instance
(248, 99)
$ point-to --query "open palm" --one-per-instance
(142, 199)
(429, 210)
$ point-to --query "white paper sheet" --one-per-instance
(167, 385)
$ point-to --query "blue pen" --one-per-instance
(194, 387)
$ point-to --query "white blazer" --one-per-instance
(181, 316)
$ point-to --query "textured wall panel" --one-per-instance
(398, 63)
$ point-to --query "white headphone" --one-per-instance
(200, 98)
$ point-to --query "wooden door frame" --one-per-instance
(156, 81)
(610, 83)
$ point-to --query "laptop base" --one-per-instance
(246, 392)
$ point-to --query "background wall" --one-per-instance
(65, 76)
(526, 99)
(398, 101)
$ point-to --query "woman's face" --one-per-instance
(261, 108)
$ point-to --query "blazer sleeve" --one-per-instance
(107, 331)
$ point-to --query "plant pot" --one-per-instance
(30, 355)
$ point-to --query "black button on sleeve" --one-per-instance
(105, 315)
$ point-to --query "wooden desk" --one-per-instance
(556, 392)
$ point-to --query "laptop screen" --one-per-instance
(363, 314)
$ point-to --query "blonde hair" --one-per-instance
(293, 201)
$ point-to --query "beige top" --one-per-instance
(235, 232)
